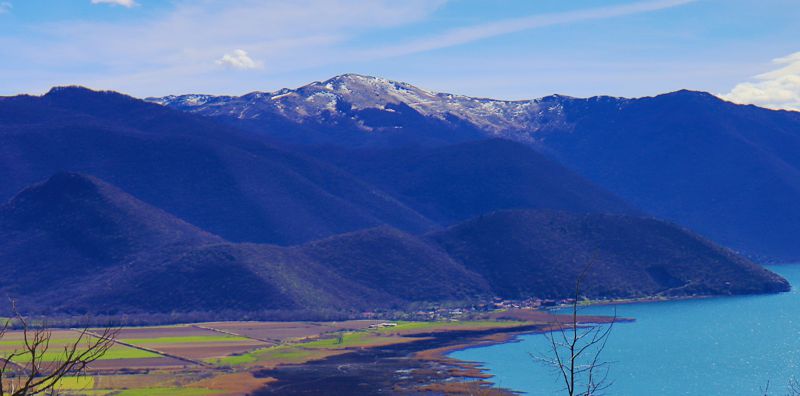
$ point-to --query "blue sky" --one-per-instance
(744, 50)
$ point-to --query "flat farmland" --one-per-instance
(217, 358)
(190, 342)
(279, 332)
(165, 331)
(13, 342)
(140, 364)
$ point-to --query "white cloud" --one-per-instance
(777, 89)
(180, 45)
(479, 32)
(5, 7)
(124, 3)
(239, 59)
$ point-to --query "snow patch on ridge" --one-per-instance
(514, 119)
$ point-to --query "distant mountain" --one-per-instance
(220, 179)
(460, 181)
(356, 97)
(75, 245)
(730, 172)
(350, 109)
(727, 171)
(542, 253)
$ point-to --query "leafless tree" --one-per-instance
(764, 391)
(576, 349)
(793, 389)
(36, 369)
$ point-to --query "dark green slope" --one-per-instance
(397, 263)
(224, 277)
(76, 244)
(542, 253)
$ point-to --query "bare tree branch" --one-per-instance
(576, 349)
(35, 369)
(794, 387)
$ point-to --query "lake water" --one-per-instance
(720, 346)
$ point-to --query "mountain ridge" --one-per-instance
(238, 186)
(554, 248)
(513, 119)
(76, 245)
(729, 171)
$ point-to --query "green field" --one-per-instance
(235, 360)
(303, 350)
(56, 353)
(348, 340)
(283, 353)
(183, 339)
(75, 383)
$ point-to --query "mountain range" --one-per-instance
(213, 176)
(368, 111)
(74, 244)
(361, 193)
(244, 187)
(730, 172)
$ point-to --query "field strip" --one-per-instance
(230, 333)
(141, 348)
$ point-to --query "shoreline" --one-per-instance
(413, 367)
(417, 366)
(642, 300)
(477, 370)
(651, 300)
(474, 370)
(510, 337)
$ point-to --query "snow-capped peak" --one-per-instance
(324, 99)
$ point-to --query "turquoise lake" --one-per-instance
(719, 346)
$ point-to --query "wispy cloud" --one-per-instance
(776, 89)
(124, 3)
(188, 45)
(5, 7)
(184, 44)
(484, 31)
(238, 59)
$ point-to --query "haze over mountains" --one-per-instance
(730, 172)
(361, 193)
